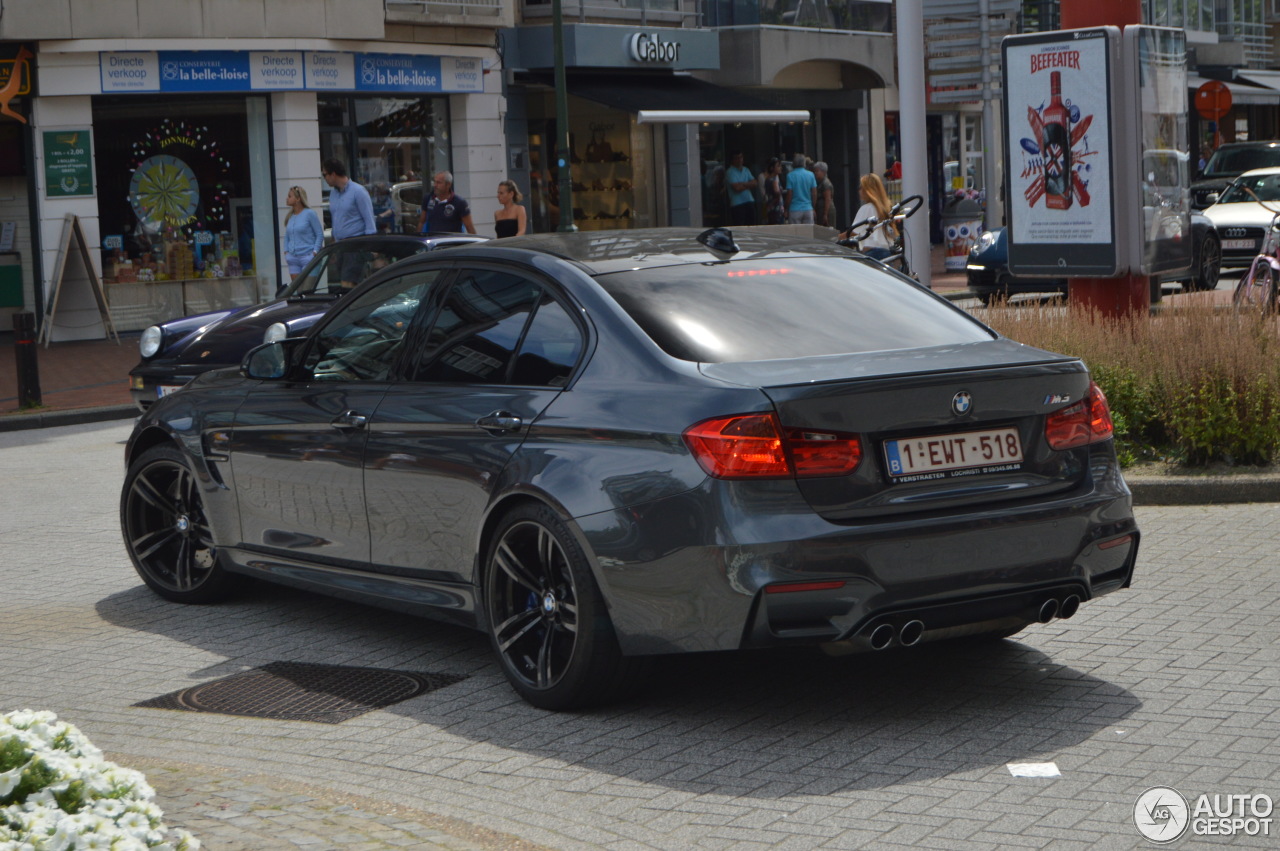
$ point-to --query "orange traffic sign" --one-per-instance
(1213, 100)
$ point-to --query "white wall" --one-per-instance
(480, 150)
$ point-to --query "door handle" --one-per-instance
(349, 420)
(500, 421)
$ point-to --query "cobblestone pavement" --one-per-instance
(1175, 682)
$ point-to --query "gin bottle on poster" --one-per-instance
(1057, 148)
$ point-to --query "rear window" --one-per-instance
(1232, 161)
(772, 308)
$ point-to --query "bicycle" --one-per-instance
(1258, 286)
(856, 233)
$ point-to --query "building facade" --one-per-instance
(173, 130)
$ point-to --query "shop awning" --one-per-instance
(1241, 93)
(668, 99)
(1266, 79)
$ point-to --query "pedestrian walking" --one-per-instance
(742, 197)
(303, 233)
(351, 212)
(445, 211)
(775, 202)
(824, 208)
(511, 217)
(801, 188)
(878, 244)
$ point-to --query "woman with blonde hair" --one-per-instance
(303, 233)
(875, 205)
(510, 218)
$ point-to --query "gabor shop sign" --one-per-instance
(649, 47)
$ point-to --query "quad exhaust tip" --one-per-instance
(910, 633)
(881, 637)
(1048, 610)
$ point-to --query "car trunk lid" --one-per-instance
(939, 427)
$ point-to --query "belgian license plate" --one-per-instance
(941, 456)
(165, 389)
(1238, 244)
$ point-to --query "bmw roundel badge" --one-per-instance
(961, 403)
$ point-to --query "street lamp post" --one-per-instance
(563, 154)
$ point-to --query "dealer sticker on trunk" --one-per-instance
(943, 456)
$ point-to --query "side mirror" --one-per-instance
(270, 361)
(1212, 197)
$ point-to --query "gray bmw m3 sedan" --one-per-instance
(607, 446)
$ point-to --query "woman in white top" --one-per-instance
(875, 204)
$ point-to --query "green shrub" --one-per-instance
(1191, 384)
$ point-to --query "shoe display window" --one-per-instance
(611, 186)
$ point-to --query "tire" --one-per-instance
(1205, 275)
(546, 618)
(1257, 289)
(166, 530)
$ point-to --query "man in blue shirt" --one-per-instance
(351, 211)
(801, 187)
(445, 211)
(742, 200)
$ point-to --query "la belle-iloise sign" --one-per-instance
(259, 70)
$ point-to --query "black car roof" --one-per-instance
(601, 252)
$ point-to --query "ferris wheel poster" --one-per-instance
(1059, 171)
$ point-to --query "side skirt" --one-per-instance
(444, 601)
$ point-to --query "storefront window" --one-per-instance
(388, 144)
(758, 142)
(609, 157)
(176, 205)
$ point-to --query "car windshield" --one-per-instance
(1228, 162)
(772, 308)
(1264, 187)
(341, 266)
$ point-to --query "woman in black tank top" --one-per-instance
(510, 218)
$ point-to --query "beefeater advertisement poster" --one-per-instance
(1060, 161)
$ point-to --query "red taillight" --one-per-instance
(817, 453)
(751, 446)
(1087, 421)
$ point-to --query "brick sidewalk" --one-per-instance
(79, 374)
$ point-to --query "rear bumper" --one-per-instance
(690, 573)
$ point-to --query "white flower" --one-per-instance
(93, 842)
(134, 824)
(9, 780)
(113, 806)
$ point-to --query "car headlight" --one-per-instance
(275, 331)
(985, 241)
(151, 340)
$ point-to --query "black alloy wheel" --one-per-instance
(1209, 267)
(546, 618)
(166, 530)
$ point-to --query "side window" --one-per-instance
(475, 335)
(363, 341)
(550, 349)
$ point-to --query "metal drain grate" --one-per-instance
(297, 691)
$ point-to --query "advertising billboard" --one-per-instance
(1061, 175)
